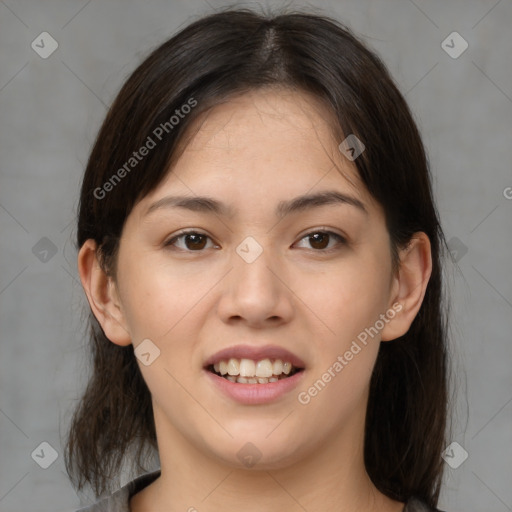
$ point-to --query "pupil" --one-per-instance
(314, 240)
(195, 238)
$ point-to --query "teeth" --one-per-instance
(252, 380)
(278, 367)
(264, 368)
(223, 368)
(233, 367)
(247, 371)
(248, 368)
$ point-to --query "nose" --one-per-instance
(256, 293)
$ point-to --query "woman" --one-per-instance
(261, 252)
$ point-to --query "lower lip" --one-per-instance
(254, 394)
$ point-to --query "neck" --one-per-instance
(331, 478)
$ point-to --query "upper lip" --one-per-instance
(256, 354)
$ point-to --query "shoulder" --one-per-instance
(119, 501)
(416, 505)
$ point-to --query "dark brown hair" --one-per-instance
(210, 60)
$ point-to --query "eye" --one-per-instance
(194, 241)
(320, 240)
(191, 241)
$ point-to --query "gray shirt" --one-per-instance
(120, 500)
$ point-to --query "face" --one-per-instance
(264, 284)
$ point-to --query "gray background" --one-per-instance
(50, 111)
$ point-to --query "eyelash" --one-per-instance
(341, 240)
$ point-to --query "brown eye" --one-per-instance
(190, 241)
(195, 241)
(320, 240)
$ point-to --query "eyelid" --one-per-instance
(322, 229)
(186, 231)
(342, 240)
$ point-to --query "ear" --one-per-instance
(409, 285)
(102, 295)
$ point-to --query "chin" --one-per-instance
(257, 452)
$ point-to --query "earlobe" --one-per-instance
(102, 295)
(409, 285)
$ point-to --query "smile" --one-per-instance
(249, 371)
(254, 374)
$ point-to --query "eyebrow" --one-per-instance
(203, 204)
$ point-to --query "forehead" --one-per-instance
(262, 146)
(266, 121)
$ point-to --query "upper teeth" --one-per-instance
(250, 368)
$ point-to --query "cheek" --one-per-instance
(337, 396)
(348, 302)
(157, 296)
(345, 299)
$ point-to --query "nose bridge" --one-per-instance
(255, 293)
(253, 262)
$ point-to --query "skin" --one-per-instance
(251, 153)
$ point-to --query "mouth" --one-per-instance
(247, 364)
(255, 375)
(251, 371)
